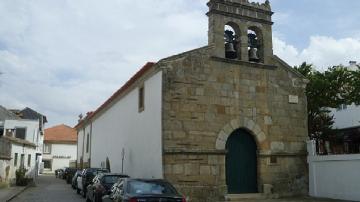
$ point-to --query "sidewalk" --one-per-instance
(6, 194)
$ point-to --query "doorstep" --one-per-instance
(237, 197)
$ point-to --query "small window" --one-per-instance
(20, 133)
(87, 142)
(1, 131)
(47, 164)
(141, 99)
(29, 160)
(273, 160)
(22, 159)
(47, 148)
(16, 159)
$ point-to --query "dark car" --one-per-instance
(74, 179)
(87, 176)
(101, 185)
(68, 174)
(144, 190)
(59, 173)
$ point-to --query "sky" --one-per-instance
(66, 57)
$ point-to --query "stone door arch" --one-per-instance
(244, 124)
(235, 124)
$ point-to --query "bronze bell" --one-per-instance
(230, 51)
(253, 55)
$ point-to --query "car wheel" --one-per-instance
(97, 198)
(87, 199)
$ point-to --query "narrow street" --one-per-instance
(49, 188)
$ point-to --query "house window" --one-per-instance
(341, 107)
(141, 99)
(47, 164)
(87, 142)
(47, 148)
(29, 160)
(1, 131)
(22, 159)
(15, 159)
(20, 133)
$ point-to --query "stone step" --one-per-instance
(241, 197)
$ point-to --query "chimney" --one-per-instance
(352, 65)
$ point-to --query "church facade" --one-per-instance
(232, 117)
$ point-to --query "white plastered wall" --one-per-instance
(139, 133)
(61, 155)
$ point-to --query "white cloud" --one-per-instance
(322, 51)
(64, 58)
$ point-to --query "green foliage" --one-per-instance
(21, 179)
(329, 89)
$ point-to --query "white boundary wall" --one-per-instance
(334, 176)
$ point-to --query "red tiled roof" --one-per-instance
(119, 92)
(60, 133)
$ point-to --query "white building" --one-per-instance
(24, 129)
(124, 135)
(59, 147)
(347, 116)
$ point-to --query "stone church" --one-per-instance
(227, 120)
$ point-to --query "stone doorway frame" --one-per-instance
(244, 123)
(250, 126)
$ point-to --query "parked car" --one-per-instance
(86, 178)
(59, 173)
(68, 174)
(74, 179)
(135, 190)
(101, 185)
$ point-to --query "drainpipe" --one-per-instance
(82, 165)
(90, 140)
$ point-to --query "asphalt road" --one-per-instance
(49, 189)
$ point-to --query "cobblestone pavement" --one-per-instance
(49, 189)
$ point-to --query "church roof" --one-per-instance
(119, 92)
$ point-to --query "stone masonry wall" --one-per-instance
(205, 99)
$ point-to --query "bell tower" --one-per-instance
(240, 30)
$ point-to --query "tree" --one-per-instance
(329, 89)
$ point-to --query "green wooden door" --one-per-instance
(241, 163)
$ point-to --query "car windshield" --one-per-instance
(150, 187)
(110, 179)
(94, 172)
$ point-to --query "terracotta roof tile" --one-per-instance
(60, 133)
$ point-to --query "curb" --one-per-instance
(19, 192)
